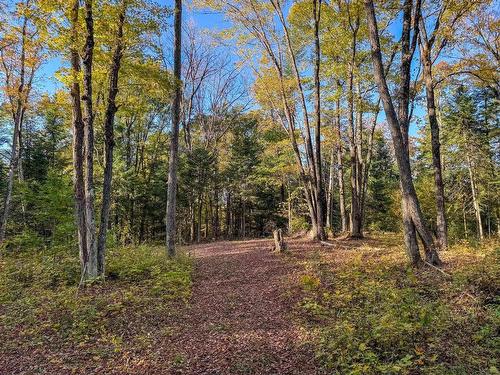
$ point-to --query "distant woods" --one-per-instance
(123, 123)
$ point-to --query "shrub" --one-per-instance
(40, 303)
(373, 317)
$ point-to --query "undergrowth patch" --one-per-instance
(374, 315)
(41, 305)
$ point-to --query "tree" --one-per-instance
(21, 56)
(174, 141)
(431, 46)
(109, 120)
(467, 128)
(412, 214)
(78, 142)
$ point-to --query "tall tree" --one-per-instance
(174, 141)
(431, 45)
(78, 140)
(20, 59)
(88, 123)
(317, 112)
(109, 120)
(412, 214)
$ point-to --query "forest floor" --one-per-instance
(239, 320)
(235, 307)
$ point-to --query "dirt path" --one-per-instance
(239, 318)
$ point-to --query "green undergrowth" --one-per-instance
(374, 315)
(42, 306)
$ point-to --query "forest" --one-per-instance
(250, 187)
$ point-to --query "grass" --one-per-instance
(368, 313)
(42, 309)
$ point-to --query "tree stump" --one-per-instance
(279, 243)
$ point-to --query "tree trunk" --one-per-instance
(279, 242)
(464, 217)
(407, 51)
(314, 195)
(109, 140)
(13, 166)
(441, 225)
(88, 121)
(355, 224)
(411, 206)
(200, 208)
(174, 142)
(497, 217)
(78, 142)
(320, 198)
(475, 199)
(329, 195)
(340, 171)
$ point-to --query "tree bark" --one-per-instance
(411, 204)
(355, 224)
(425, 55)
(88, 121)
(329, 195)
(475, 199)
(340, 171)
(78, 143)
(279, 242)
(109, 120)
(174, 142)
(320, 199)
(315, 198)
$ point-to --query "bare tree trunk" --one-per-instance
(441, 225)
(366, 166)
(409, 230)
(475, 199)
(88, 121)
(200, 208)
(174, 142)
(464, 219)
(78, 143)
(192, 216)
(497, 216)
(243, 223)
(355, 224)
(279, 242)
(329, 195)
(109, 140)
(409, 196)
(340, 171)
(320, 198)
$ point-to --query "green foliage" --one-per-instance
(468, 144)
(41, 305)
(382, 185)
(370, 316)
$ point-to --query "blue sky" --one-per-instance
(202, 19)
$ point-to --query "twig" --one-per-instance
(327, 243)
(338, 245)
(439, 269)
(81, 278)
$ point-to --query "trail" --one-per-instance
(239, 318)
